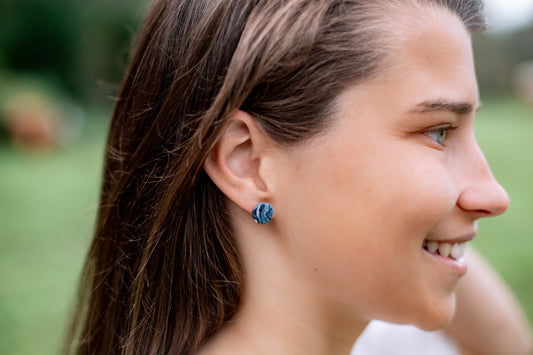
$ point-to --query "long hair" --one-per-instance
(164, 273)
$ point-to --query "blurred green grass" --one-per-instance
(504, 129)
(48, 203)
(47, 209)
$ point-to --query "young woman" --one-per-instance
(343, 126)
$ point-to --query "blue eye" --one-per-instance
(438, 135)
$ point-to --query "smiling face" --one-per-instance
(399, 167)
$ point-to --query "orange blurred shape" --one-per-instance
(31, 121)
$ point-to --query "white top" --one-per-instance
(381, 338)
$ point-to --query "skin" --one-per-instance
(485, 305)
(353, 206)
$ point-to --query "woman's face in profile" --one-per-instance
(398, 168)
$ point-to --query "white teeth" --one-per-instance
(447, 250)
(444, 249)
(462, 249)
(455, 251)
(432, 246)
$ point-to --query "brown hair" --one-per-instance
(163, 272)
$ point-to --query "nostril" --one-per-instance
(484, 213)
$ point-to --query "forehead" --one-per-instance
(430, 34)
(430, 60)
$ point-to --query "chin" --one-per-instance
(437, 317)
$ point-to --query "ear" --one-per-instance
(234, 163)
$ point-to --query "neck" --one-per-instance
(281, 311)
(269, 328)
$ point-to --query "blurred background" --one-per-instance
(60, 66)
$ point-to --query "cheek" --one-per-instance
(357, 223)
(391, 195)
(399, 187)
(418, 192)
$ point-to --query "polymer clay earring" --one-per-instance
(262, 213)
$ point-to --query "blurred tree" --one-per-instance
(497, 56)
(520, 43)
(493, 65)
(104, 49)
(40, 36)
(78, 43)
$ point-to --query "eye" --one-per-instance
(439, 134)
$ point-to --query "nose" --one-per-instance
(482, 195)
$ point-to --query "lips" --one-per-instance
(448, 253)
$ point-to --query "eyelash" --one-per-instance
(439, 134)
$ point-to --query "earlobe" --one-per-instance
(234, 163)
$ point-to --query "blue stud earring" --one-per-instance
(262, 213)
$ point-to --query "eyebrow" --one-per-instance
(457, 107)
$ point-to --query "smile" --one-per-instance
(452, 251)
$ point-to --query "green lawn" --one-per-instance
(47, 206)
(503, 130)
